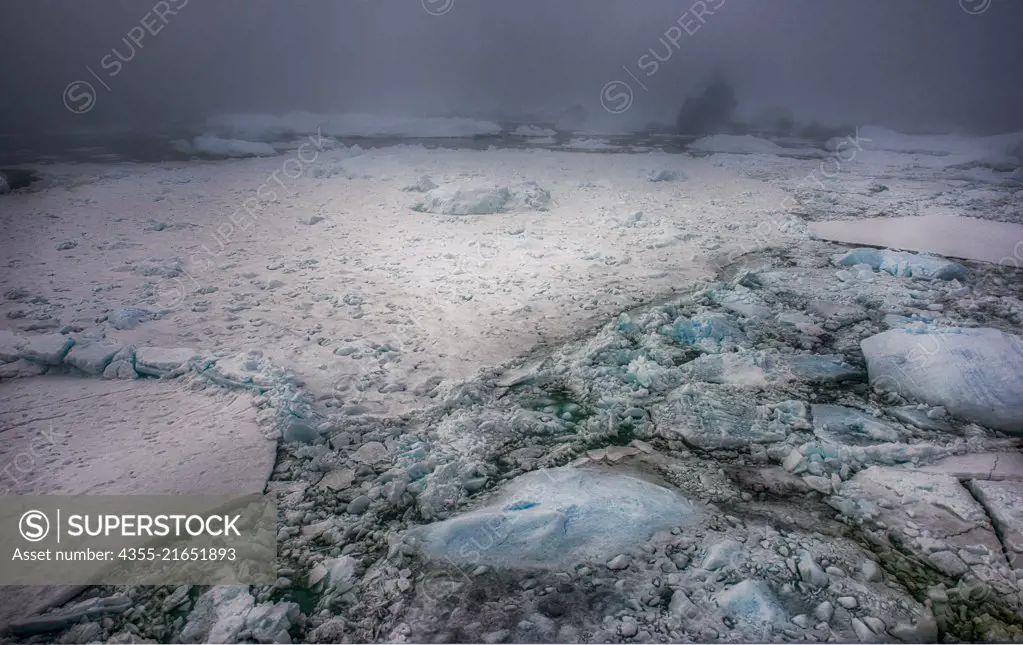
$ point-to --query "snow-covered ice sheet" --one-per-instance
(210, 240)
(379, 309)
(533, 131)
(976, 374)
(957, 237)
(903, 264)
(266, 127)
(218, 147)
(960, 145)
(552, 517)
(589, 144)
(734, 144)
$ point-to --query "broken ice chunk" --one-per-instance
(423, 184)
(850, 426)
(649, 375)
(976, 374)
(557, 516)
(665, 175)
(715, 420)
(710, 332)
(742, 302)
(129, 317)
(915, 416)
(903, 264)
(453, 200)
(750, 603)
(766, 368)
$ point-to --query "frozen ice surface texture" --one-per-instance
(558, 516)
(976, 374)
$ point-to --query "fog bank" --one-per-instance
(909, 64)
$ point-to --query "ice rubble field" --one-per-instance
(532, 395)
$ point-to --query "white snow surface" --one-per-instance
(217, 147)
(976, 374)
(973, 147)
(533, 131)
(589, 143)
(335, 259)
(318, 260)
(267, 127)
(745, 144)
(956, 237)
(559, 516)
(317, 257)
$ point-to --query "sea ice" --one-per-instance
(902, 264)
(976, 374)
(850, 426)
(734, 144)
(955, 237)
(268, 127)
(553, 517)
(454, 200)
(216, 147)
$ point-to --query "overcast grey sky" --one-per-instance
(903, 62)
